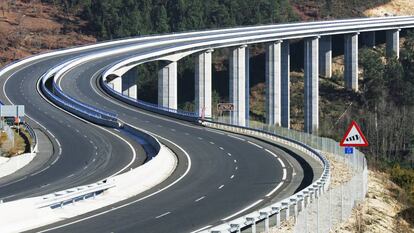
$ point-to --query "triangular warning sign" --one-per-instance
(354, 136)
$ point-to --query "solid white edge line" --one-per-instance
(242, 210)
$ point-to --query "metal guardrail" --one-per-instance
(89, 113)
(33, 136)
(289, 206)
(61, 198)
(185, 115)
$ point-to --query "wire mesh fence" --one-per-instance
(335, 205)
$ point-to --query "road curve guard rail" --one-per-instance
(70, 196)
(176, 113)
(33, 144)
(71, 105)
(289, 206)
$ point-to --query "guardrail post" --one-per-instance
(285, 205)
(235, 228)
(301, 198)
(266, 223)
(295, 206)
(252, 221)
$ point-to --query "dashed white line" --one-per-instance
(241, 139)
(281, 162)
(162, 215)
(200, 138)
(199, 199)
(221, 186)
(212, 143)
(232, 176)
(221, 148)
(254, 144)
(236, 168)
(235, 161)
(229, 154)
(270, 152)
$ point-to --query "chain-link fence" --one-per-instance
(335, 205)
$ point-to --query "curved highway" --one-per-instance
(228, 174)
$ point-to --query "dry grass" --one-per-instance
(394, 7)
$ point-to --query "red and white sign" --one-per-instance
(354, 136)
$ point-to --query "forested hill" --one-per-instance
(122, 18)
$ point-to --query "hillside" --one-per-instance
(30, 27)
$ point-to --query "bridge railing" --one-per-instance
(185, 115)
(274, 213)
(318, 214)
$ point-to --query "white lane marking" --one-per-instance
(284, 174)
(173, 130)
(187, 134)
(221, 186)
(254, 144)
(201, 229)
(57, 157)
(275, 189)
(199, 199)
(200, 138)
(212, 143)
(44, 169)
(134, 155)
(138, 200)
(221, 148)
(162, 215)
(242, 210)
(281, 162)
(70, 175)
(270, 152)
(232, 176)
(235, 161)
(241, 139)
(236, 168)
(229, 154)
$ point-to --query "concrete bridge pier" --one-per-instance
(167, 86)
(203, 89)
(129, 83)
(273, 83)
(393, 43)
(311, 68)
(325, 56)
(285, 82)
(351, 61)
(239, 85)
(116, 84)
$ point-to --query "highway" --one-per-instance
(250, 180)
(227, 175)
